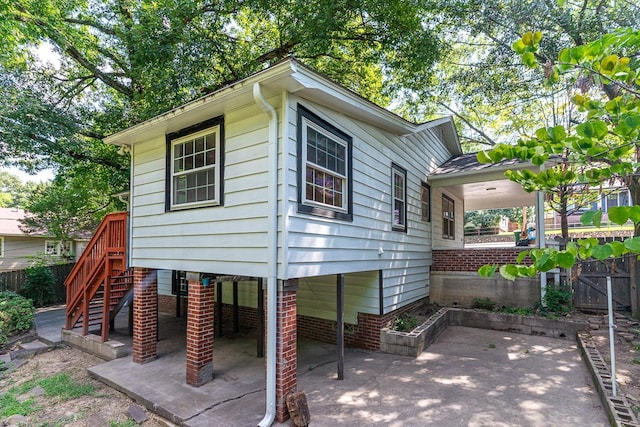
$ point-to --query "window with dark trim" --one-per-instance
(448, 218)
(399, 197)
(195, 158)
(324, 168)
(425, 202)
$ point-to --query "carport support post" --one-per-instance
(261, 331)
(199, 331)
(145, 315)
(340, 324)
(286, 347)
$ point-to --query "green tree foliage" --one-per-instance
(479, 81)
(121, 62)
(604, 144)
(74, 203)
(39, 286)
(13, 192)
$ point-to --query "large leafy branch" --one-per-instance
(603, 146)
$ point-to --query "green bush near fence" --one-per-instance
(16, 315)
(39, 285)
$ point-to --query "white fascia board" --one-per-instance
(200, 108)
(486, 174)
(319, 89)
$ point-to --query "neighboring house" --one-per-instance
(288, 177)
(601, 198)
(17, 247)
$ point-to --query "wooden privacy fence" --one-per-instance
(15, 280)
(589, 282)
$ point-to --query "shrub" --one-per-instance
(483, 303)
(39, 285)
(558, 299)
(405, 323)
(16, 315)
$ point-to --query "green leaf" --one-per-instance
(602, 251)
(618, 248)
(557, 133)
(537, 36)
(585, 130)
(527, 38)
(518, 47)
(634, 214)
(633, 244)
(564, 55)
(487, 270)
(591, 218)
(521, 256)
(483, 157)
(608, 64)
(619, 214)
(565, 259)
(529, 59)
(509, 271)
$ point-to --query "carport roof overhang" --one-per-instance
(483, 186)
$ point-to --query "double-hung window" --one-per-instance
(194, 165)
(448, 218)
(324, 168)
(399, 197)
(52, 247)
(425, 201)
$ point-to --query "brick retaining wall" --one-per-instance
(474, 258)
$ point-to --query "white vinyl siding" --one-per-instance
(316, 296)
(229, 239)
(232, 239)
(436, 214)
(323, 246)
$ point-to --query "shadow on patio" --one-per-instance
(469, 377)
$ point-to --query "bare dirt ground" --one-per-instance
(103, 406)
(627, 357)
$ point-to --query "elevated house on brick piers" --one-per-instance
(289, 198)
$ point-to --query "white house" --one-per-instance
(285, 181)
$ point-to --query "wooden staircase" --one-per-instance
(100, 279)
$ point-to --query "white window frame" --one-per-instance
(448, 217)
(425, 205)
(399, 201)
(57, 247)
(307, 123)
(215, 167)
(1, 247)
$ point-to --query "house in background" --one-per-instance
(17, 247)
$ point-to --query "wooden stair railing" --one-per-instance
(99, 279)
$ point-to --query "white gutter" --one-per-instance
(272, 255)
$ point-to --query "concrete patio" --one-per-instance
(470, 377)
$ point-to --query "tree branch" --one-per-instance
(489, 140)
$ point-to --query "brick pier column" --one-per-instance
(200, 333)
(286, 351)
(145, 315)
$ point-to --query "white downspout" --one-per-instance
(272, 255)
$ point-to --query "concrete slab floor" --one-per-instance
(469, 377)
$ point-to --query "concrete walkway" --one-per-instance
(469, 377)
(49, 324)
